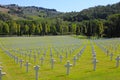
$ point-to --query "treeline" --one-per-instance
(48, 27)
(40, 27)
(96, 27)
(100, 21)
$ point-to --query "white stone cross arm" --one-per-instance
(94, 60)
(68, 65)
(36, 67)
(27, 63)
(3, 73)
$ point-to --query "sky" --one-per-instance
(60, 5)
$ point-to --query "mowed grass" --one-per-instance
(83, 70)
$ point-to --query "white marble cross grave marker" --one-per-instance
(68, 65)
(51, 55)
(36, 68)
(61, 57)
(34, 58)
(111, 56)
(1, 74)
(117, 59)
(44, 54)
(29, 57)
(74, 60)
(42, 59)
(94, 54)
(38, 53)
(78, 55)
(27, 65)
(107, 53)
(16, 59)
(94, 62)
(21, 62)
(52, 63)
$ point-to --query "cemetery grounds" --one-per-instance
(33, 49)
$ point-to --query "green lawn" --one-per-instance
(106, 69)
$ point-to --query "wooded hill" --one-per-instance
(99, 21)
(27, 12)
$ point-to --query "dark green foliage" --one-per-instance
(113, 26)
(4, 28)
(100, 21)
(98, 12)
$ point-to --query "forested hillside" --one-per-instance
(98, 12)
(99, 21)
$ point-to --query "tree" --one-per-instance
(32, 29)
(41, 29)
(18, 30)
(114, 25)
(37, 30)
(53, 30)
(59, 23)
(12, 27)
(65, 28)
(77, 30)
(5, 28)
(101, 28)
(26, 29)
(1, 27)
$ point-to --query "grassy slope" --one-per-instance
(106, 69)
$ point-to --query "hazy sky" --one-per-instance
(61, 5)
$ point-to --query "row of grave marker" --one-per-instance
(52, 60)
(111, 54)
(94, 58)
(1, 73)
(68, 65)
(75, 58)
